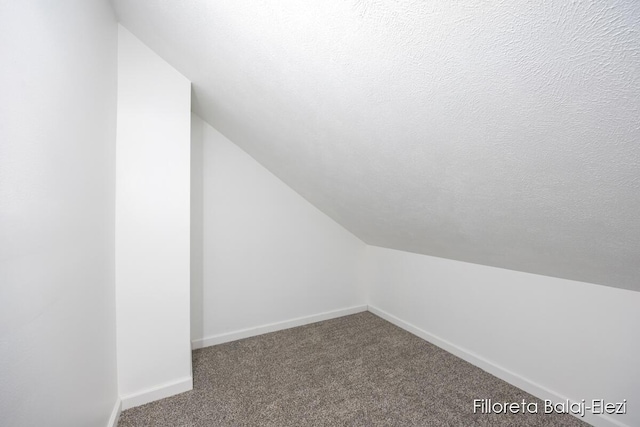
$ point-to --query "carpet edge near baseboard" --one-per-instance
(494, 369)
(156, 393)
(275, 326)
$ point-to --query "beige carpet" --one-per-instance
(357, 370)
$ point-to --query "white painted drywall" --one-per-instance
(57, 198)
(152, 223)
(268, 254)
(499, 133)
(578, 340)
(197, 226)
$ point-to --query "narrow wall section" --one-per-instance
(152, 225)
(555, 338)
(268, 256)
(57, 199)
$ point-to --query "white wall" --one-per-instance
(57, 194)
(197, 223)
(152, 225)
(574, 339)
(267, 254)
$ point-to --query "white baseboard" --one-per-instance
(494, 369)
(115, 414)
(157, 393)
(273, 327)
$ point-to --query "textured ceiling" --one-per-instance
(500, 133)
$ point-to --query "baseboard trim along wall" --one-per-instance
(494, 369)
(273, 327)
(157, 393)
(115, 414)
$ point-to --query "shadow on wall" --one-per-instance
(197, 231)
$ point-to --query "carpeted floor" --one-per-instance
(357, 370)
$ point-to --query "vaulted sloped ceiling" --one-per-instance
(503, 133)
